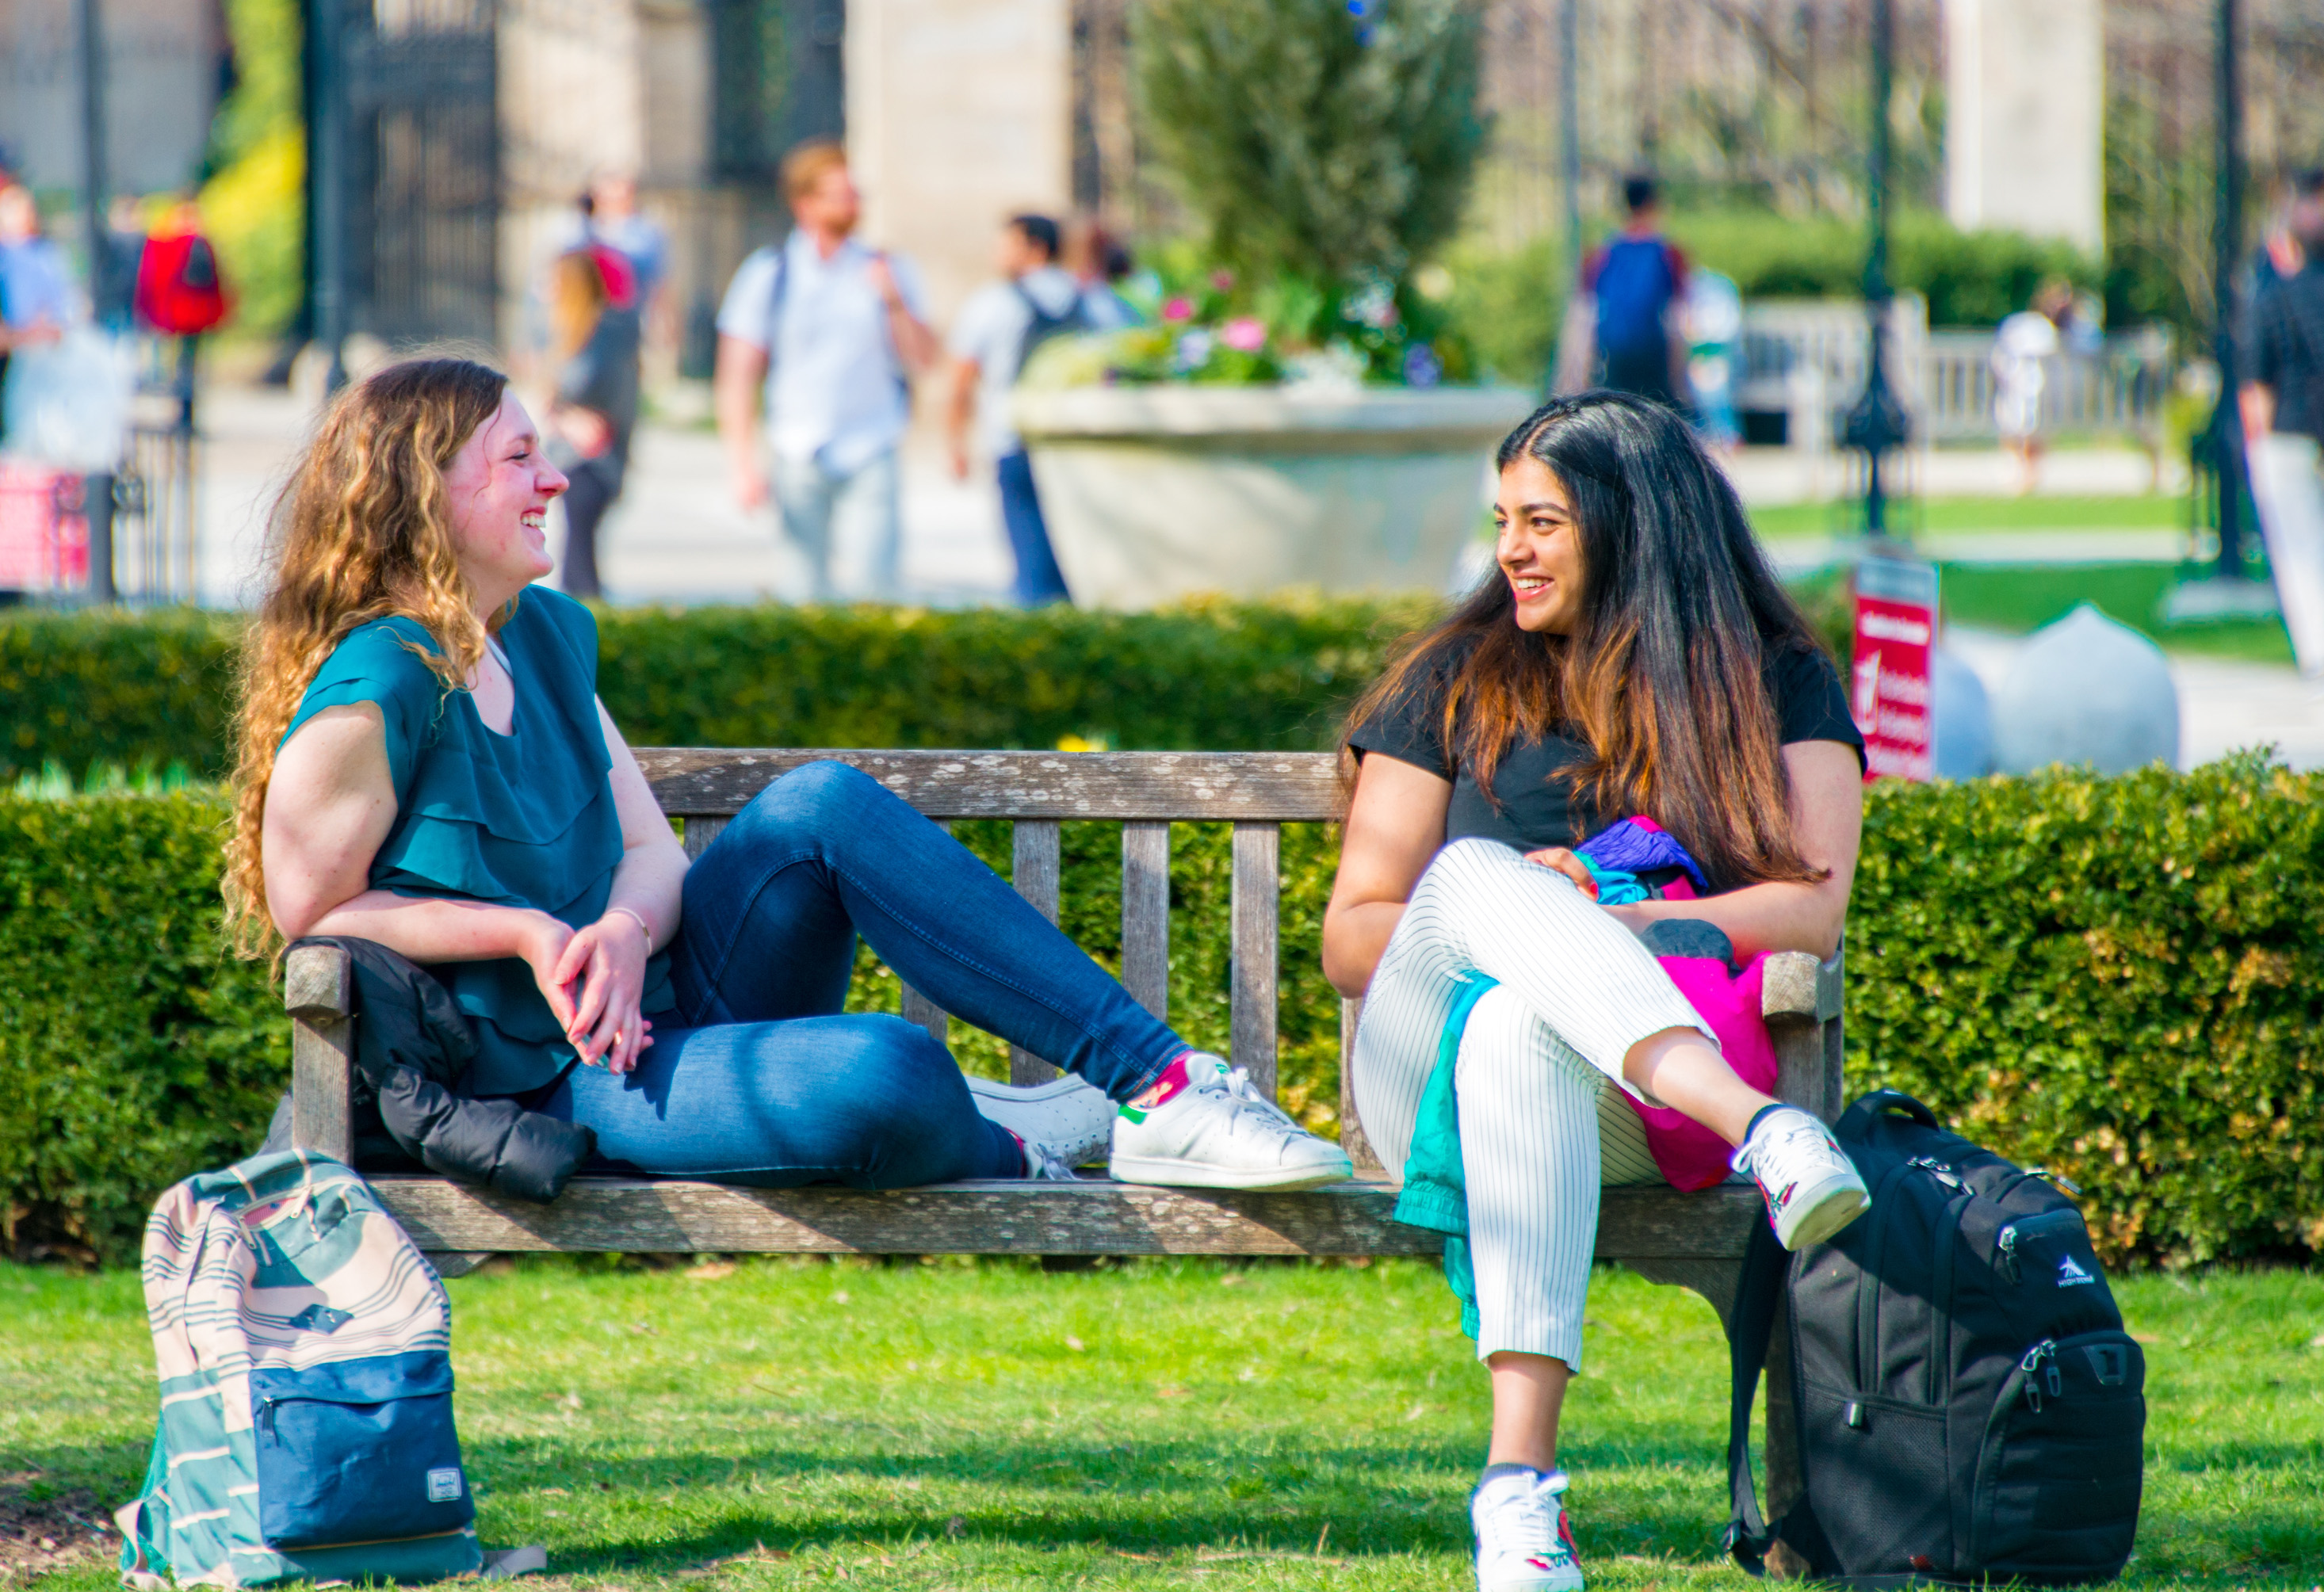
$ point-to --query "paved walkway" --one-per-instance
(677, 536)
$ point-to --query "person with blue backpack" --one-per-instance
(1633, 286)
(998, 327)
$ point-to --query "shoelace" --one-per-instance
(1780, 1136)
(1248, 1101)
(1050, 1166)
(1526, 1522)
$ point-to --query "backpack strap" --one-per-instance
(1748, 1536)
(775, 292)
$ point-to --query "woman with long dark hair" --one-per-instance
(1632, 656)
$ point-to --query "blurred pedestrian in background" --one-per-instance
(999, 327)
(1621, 328)
(612, 220)
(831, 332)
(2021, 349)
(2283, 407)
(594, 342)
(38, 297)
(1098, 262)
(1714, 333)
(114, 295)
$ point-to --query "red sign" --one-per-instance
(1896, 631)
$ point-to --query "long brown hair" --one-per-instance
(1665, 678)
(578, 299)
(361, 532)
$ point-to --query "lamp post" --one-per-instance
(326, 177)
(97, 488)
(2226, 439)
(1877, 423)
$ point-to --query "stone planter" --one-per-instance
(1156, 494)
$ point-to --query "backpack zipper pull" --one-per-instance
(266, 1414)
(2045, 1351)
(2007, 1244)
(1936, 1169)
(2046, 1175)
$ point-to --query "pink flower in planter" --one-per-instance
(1245, 332)
(1180, 308)
(1223, 281)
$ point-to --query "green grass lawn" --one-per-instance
(1166, 1424)
(2018, 598)
(1962, 515)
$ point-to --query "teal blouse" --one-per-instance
(524, 819)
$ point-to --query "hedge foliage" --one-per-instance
(2122, 979)
(85, 690)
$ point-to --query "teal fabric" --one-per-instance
(525, 819)
(1435, 1184)
(1616, 888)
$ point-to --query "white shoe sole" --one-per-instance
(1556, 1581)
(1832, 1211)
(1203, 1175)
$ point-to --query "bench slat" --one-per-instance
(701, 828)
(1037, 859)
(1188, 787)
(1146, 915)
(1090, 1218)
(1250, 989)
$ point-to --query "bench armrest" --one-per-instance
(1801, 1000)
(318, 992)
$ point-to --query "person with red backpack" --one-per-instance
(180, 291)
(1631, 287)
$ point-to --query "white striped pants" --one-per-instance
(1540, 1125)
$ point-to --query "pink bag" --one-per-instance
(1690, 1155)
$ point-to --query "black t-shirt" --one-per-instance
(2286, 339)
(1537, 804)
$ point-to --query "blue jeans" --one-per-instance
(856, 518)
(760, 1079)
(1039, 578)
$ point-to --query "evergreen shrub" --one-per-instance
(2121, 980)
(89, 689)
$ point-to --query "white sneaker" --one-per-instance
(1069, 1118)
(1219, 1132)
(1811, 1188)
(1523, 1542)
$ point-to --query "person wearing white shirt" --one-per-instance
(998, 325)
(829, 332)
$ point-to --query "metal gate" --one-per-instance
(422, 169)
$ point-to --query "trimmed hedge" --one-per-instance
(87, 690)
(2122, 979)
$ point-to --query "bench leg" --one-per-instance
(318, 991)
(1717, 1281)
(459, 1263)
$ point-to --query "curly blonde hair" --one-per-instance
(361, 532)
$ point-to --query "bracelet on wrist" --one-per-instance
(638, 918)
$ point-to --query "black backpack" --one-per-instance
(1968, 1404)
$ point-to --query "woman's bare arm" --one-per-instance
(1396, 824)
(328, 807)
(1828, 822)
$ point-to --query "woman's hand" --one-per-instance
(603, 968)
(1573, 867)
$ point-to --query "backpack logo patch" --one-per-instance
(444, 1485)
(2071, 1275)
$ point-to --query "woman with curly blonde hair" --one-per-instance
(424, 763)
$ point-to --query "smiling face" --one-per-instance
(498, 487)
(1539, 549)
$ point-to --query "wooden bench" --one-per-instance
(1693, 1240)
